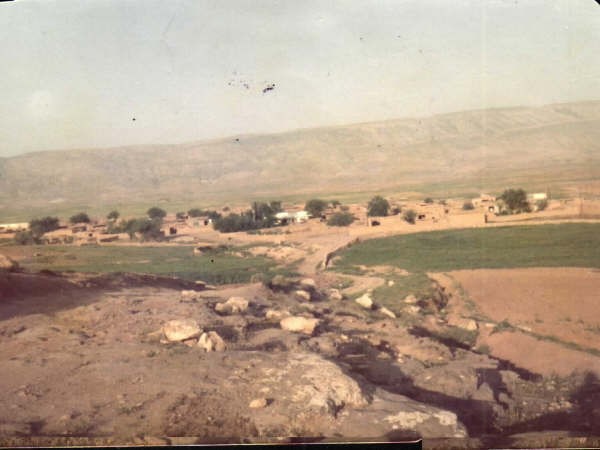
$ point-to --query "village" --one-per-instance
(294, 219)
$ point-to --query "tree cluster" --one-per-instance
(515, 201)
(260, 215)
(341, 219)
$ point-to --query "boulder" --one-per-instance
(258, 403)
(465, 324)
(180, 330)
(335, 295)
(410, 299)
(365, 301)
(234, 305)
(308, 283)
(390, 283)
(272, 314)
(413, 309)
(299, 324)
(188, 296)
(383, 310)
(302, 295)
(7, 264)
(212, 342)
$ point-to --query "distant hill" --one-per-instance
(443, 154)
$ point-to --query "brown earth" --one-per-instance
(83, 363)
(553, 316)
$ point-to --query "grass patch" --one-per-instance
(555, 245)
(505, 325)
(392, 297)
(218, 267)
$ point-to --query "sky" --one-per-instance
(107, 73)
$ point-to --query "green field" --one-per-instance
(219, 267)
(573, 245)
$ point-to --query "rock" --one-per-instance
(200, 283)
(189, 296)
(302, 295)
(212, 342)
(387, 312)
(410, 299)
(234, 305)
(465, 324)
(323, 385)
(258, 403)
(365, 301)
(413, 309)
(190, 342)
(272, 314)
(390, 283)
(308, 283)
(7, 264)
(335, 295)
(298, 324)
(180, 330)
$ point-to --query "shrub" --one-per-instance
(409, 216)
(156, 213)
(80, 218)
(40, 226)
(24, 238)
(396, 210)
(541, 205)
(342, 219)
(180, 215)
(149, 229)
(378, 207)
(428, 200)
(515, 200)
(195, 212)
(113, 215)
(315, 207)
(468, 205)
(335, 203)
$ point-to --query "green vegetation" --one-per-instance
(378, 207)
(341, 219)
(113, 215)
(180, 215)
(428, 200)
(555, 245)
(515, 201)
(409, 216)
(40, 226)
(391, 297)
(80, 218)
(468, 206)
(218, 267)
(315, 207)
(541, 205)
(156, 213)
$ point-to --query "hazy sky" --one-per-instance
(75, 73)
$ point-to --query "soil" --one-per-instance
(552, 312)
(85, 362)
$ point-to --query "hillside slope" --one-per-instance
(468, 150)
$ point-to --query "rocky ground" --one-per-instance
(122, 359)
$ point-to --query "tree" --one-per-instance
(40, 226)
(149, 229)
(515, 200)
(468, 205)
(113, 215)
(315, 207)
(409, 216)
(80, 218)
(340, 219)
(378, 206)
(156, 213)
(195, 212)
(541, 205)
(24, 238)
